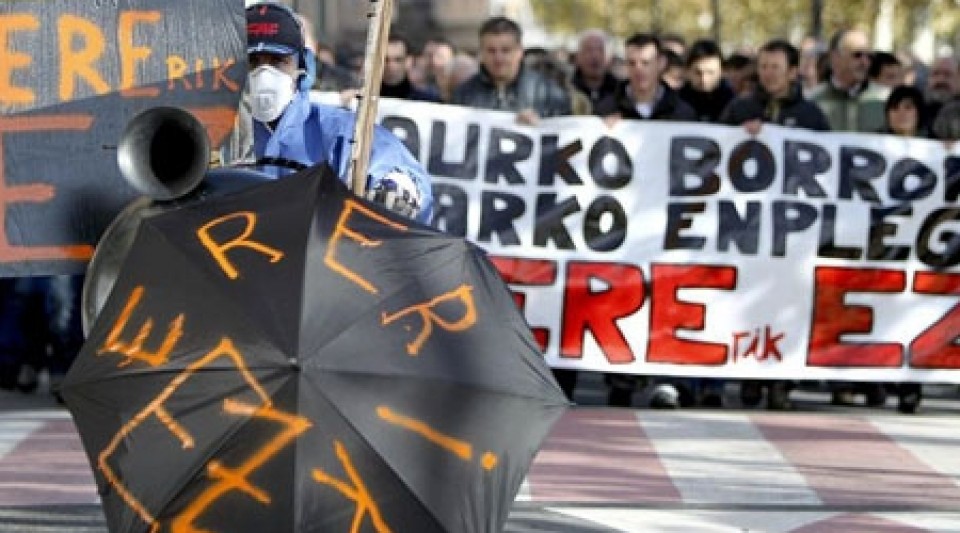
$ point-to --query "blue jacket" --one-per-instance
(312, 133)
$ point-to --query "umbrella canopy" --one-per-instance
(292, 358)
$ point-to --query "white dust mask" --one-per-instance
(271, 90)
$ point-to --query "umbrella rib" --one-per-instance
(227, 296)
(363, 437)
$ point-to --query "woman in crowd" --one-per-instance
(903, 113)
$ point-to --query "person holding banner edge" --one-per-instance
(290, 132)
(853, 103)
(778, 99)
(503, 83)
(645, 96)
(904, 116)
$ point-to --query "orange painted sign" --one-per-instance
(72, 74)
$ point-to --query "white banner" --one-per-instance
(691, 249)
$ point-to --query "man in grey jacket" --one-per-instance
(504, 84)
(852, 102)
(849, 99)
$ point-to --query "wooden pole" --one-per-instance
(378, 31)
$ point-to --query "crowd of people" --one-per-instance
(840, 85)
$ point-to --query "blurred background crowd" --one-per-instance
(868, 66)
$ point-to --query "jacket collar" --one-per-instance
(487, 79)
(794, 95)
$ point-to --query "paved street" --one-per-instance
(817, 469)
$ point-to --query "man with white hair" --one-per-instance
(943, 85)
(592, 75)
(849, 99)
(852, 102)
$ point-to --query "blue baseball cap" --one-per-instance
(273, 29)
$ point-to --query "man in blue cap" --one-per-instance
(290, 132)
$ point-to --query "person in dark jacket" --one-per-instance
(904, 116)
(943, 85)
(644, 95)
(904, 113)
(593, 59)
(396, 82)
(706, 90)
(326, 75)
(778, 99)
(504, 84)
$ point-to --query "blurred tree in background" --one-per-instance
(924, 26)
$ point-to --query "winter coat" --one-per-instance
(311, 133)
(606, 89)
(407, 91)
(792, 111)
(669, 107)
(529, 90)
(862, 111)
(708, 105)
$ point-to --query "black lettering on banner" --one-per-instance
(598, 239)
(450, 207)
(949, 240)
(858, 167)
(742, 230)
(437, 165)
(696, 157)
(880, 228)
(951, 171)
(549, 221)
(502, 161)
(828, 237)
(406, 130)
(622, 173)
(679, 217)
(790, 217)
(802, 162)
(764, 170)
(498, 211)
(554, 161)
(898, 181)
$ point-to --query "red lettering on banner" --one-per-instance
(597, 311)
(937, 346)
(533, 272)
(668, 314)
(770, 347)
(832, 318)
(751, 347)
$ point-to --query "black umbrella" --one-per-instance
(292, 358)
